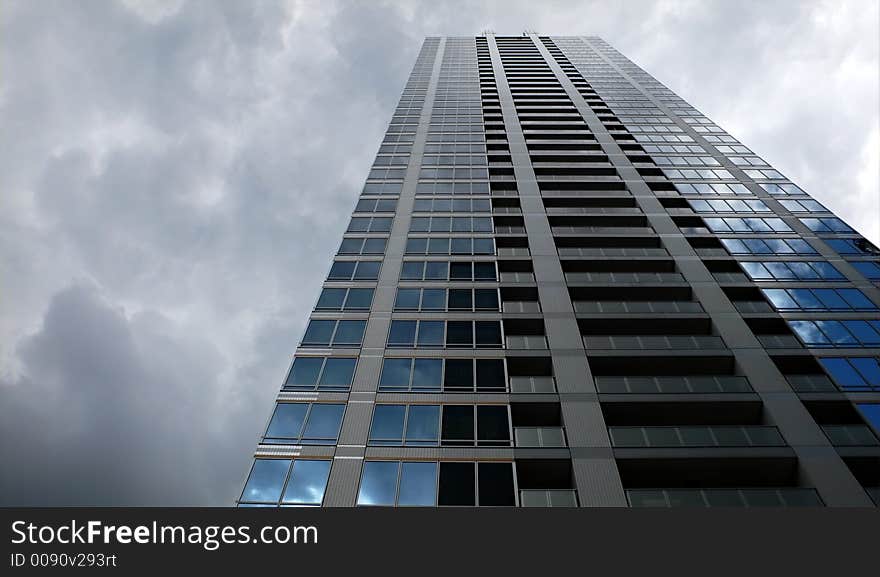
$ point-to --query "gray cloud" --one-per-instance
(176, 176)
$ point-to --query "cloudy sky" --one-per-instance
(175, 176)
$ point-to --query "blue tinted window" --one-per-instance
(308, 480)
(423, 425)
(434, 299)
(319, 333)
(430, 334)
(436, 270)
(809, 333)
(387, 426)
(359, 299)
(800, 270)
(287, 421)
(871, 412)
(836, 332)
(322, 426)
(265, 481)
(395, 374)
(416, 245)
(418, 484)
(374, 246)
(304, 372)
(412, 270)
(864, 332)
(342, 270)
(337, 374)
(331, 298)
(402, 334)
(868, 368)
(843, 373)
(367, 270)
(407, 299)
(779, 298)
(827, 270)
(427, 374)
(349, 333)
(378, 483)
(871, 270)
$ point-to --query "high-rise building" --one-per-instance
(562, 285)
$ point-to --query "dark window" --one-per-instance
(458, 425)
(496, 485)
(490, 375)
(488, 333)
(493, 427)
(459, 374)
(460, 334)
(457, 485)
(460, 299)
(486, 299)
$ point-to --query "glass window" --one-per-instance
(458, 425)
(871, 413)
(407, 299)
(870, 270)
(423, 425)
(338, 372)
(490, 375)
(287, 421)
(349, 333)
(418, 484)
(304, 372)
(868, 368)
(427, 374)
(496, 487)
(308, 481)
(359, 299)
(460, 334)
(395, 374)
(412, 270)
(436, 270)
(367, 270)
(402, 334)
(460, 299)
(843, 373)
(265, 481)
(378, 483)
(460, 271)
(374, 246)
(319, 332)
(459, 374)
(484, 271)
(457, 485)
(430, 334)
(387, 427)
(322, 426)
(493, 426)
(342, 270)
(331, 298)
(486, 299)
(433, 299)
(488, 333)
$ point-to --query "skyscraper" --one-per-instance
(562, 285)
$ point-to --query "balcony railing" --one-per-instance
(619, 277)
(695, 436)
(653, 342)
(537, 384)
(850, 435)
(703, 384)
(611, 251)
(590, 307)
(548, 498)
(782, 497)
(530, 342)
(539, 437)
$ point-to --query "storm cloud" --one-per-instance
(175, 177)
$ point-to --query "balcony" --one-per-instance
(532, 384)
(548, 498)
(653, 342)
(850, 435)
(641, 307)
(703, 384)
(623, 277)
(748, 497)
(696, 436)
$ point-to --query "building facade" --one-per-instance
(562, 285)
